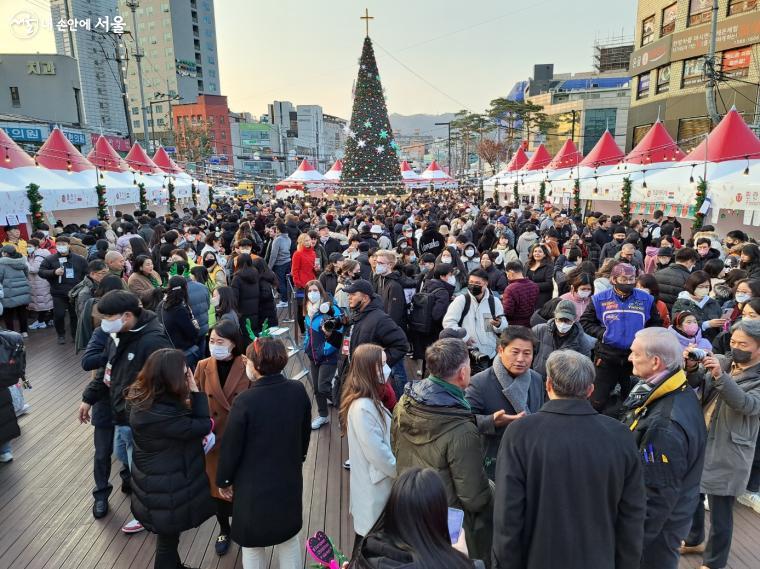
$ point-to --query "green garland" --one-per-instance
(542, 194)
(172, 198)
(100, 190)
(516, 195)
(210, 195)
(699, 218)
(625, 200)
(35, 205)
(577, 198)
(194, 194)
(143, 197)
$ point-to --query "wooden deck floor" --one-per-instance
(45, 493)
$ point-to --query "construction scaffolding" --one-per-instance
(613, 53)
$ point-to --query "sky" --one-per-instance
(434, 56)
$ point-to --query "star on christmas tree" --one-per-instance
(379, 148)
(368, 124)
(361, 143)
(383, 134)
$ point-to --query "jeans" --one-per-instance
(289, 552)
(5, 447)
(282, 276)
(123, 444)
(104, 443)
(16, 313)
(321, 380)
(399, 378)
(61, 305)
(167, 556)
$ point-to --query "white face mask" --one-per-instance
(470, 253)
(219, 352)
(742, 297)
(452, 280)
(31, 250)
(381, 269)
(446, 260)
(314, 297)
(701, 292)
(214, 301)
(412, 258)
(112, 326)
(563, 327)
(584, 293)
(190, 238)
(62, 249)
(386, 373)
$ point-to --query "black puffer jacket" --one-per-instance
(8, 424)
(268, 282)
(543, 277)
(373, 325)
(60, 285)
(169, 484)
(391, 291)
(245, 284)
(497, 279)
(671, 280)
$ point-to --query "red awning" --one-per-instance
(139, 160)
(518, 160)
(105, 157)
(567, 157)
(606, 152)
(732, 139)
(539, 160)
(59, 154)
(11, 154)
(656, 146)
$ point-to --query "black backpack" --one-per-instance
(12, 358)
(420, 313)
(466, 309)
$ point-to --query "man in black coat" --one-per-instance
(330, 244)
(603, 234)
(388, 287)
(370, 324)
(665, 417)
(63, 270)
(568, 467)
(672, 278)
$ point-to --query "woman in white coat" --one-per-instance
(368, 425)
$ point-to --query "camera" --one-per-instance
(697, 354)
(478, 360)
(330, 324)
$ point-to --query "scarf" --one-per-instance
(452, 390)
(515, 389)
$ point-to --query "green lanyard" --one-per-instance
(457, 393)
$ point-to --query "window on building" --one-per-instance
(160, 122)
(224, 135)
(740, 6)
(700, 12)
(15, 97)
(135, 110)
(669, 19)
(735, 63)
(158, 108)
(150, 122)
(691, 131)
(663, 79)
(639, 132)
(596, 121)
(693, 72)
(136, 124)
(642, 90)
(647, 30)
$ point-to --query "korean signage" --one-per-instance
(643, 88)
(653, 55)
(732, 33)
(40, 68)
(24, 134)
(119, 144)
(736, 62)
(76, 138)
(255, 134)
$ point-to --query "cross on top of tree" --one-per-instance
(366, 17)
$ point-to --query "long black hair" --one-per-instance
(415, 518)
(176, 292)
(227, 300)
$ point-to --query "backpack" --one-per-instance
(420, 313)
(12, 358)
(468, 301)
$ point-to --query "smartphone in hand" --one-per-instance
(456, 518)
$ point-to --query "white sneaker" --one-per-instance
(37, 325)
(282, 304)
(347, 465)
(751, 500)
(318, 422)
(6, 457)
(132, 526)
(24, 334)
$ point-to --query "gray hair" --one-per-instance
(445, 357)
(750, 327)
(662, 343)
(571, 373)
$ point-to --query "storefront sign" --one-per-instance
(40, 68)
(24, 134)
(731, 33)
(76, 138)
(736, 62)
(653, 55)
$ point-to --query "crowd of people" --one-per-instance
(530, 368)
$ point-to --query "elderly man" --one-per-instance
(507, 391)
(115, 262)
(730, 388)
(665, 417)
(433, 427)
(568, 467)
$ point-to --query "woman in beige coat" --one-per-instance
(143, 280)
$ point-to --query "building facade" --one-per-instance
(178, 40)
(203, 133)
(334, 138)
(668, 66)
(94, 50)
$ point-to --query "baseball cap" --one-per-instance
(665, 252)
(503, 220)
(362, 286)
(565, 309)
(376, 229)
(624, 270)
(458, 333)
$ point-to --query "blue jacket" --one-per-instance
(315, 344)
(618, 319)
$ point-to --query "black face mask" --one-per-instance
(475, 289)
(208, 263)
(624, 289)
(741, 356)
(619, 240)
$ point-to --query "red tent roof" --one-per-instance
(730, 140)
(606, 152)
(105, 157)
(138, 159)
(59, 154)
(539, 160)
(567, 157)
(337, 167)
(518, 160)
(656, 146)
(405, 167)
(11, 154)
(305, 166)
(162, 159)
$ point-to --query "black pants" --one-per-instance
(357, 545)
(611, 371)
(103, 439)
(62, 304)
(44, 316)
(16, 313)
(754, 474)
(321, 380)
(167, 556)
(223, 515)
(721, 530)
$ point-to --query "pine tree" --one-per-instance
(371, 163)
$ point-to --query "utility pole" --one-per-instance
(133, 5)
(448, 151)
(712, 107)
(171, 118)
(121, 63)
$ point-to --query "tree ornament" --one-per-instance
(172, 198)
(379, 148)
(143, 196)
(368, 124)
(35, 204)
(383, 133)
(625, 200)
(361, 143)
(577, 198)
(100, 191)
(699, 217)
(542, 193)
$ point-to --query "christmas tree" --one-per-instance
(371, 164)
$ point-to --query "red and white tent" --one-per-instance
(411, 178)
(113, 173)
(305, 179)
(437, 177)
(335, 171)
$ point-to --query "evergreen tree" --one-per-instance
(371, 163)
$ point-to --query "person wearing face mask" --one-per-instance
(222, 378)
(470, 257)
(673, 277)
(388, 286)
(349, 272)
(450, 256)
(215, 270)
(695, 298)
(581, 289)
(261, 459)
(63, 271)
(686, 329)
(322, 342)
(563, 332)
(613, 247)
(613, 317)
(303, 270)
(729, 387)
(497, 278)
(366, 422)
